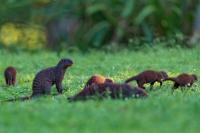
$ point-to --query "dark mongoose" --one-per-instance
(113, 90)
(148, 76)
(10, 75)
(48, 77)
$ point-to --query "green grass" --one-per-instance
(161, 112)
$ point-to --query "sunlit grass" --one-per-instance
(161, 112)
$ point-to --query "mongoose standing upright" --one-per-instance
(48, 77)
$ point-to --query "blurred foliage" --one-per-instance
(97, 22)
(27, 36)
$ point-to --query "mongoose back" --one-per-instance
(48, 77)
(148, 76)
(112, 90)
(10, 75)
(97, 79)
(183, 80)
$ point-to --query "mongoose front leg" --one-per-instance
(59, 87)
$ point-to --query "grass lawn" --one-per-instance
(161, 112)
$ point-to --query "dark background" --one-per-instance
(92, 24)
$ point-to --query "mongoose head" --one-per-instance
(139, 92)
(163, 75)
(195, 77)
(108, 80)
(64, 63)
